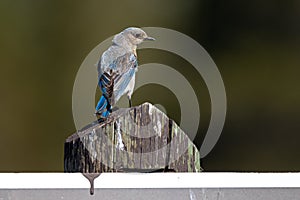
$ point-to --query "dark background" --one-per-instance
(255, 44)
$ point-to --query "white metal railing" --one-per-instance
(150, 180)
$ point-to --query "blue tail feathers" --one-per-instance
(103, 107)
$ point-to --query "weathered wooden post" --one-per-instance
(137, 139)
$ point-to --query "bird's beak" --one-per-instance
(149, 39)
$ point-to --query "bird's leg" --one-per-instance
(130, 103)
(129, 100)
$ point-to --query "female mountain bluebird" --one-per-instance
(116, 69)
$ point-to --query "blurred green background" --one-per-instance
(255, 44)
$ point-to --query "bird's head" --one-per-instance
(136, 35)
(133, 36)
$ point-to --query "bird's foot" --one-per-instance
(101, 120)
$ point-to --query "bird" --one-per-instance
(116, 69)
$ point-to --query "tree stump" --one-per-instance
(137, 139)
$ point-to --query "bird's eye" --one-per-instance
(137, 35)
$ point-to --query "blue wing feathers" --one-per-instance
(114, 81)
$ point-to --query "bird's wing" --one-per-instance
(127, 66)
(106, 83)
(114, 80)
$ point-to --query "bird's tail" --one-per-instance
(103, 108)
